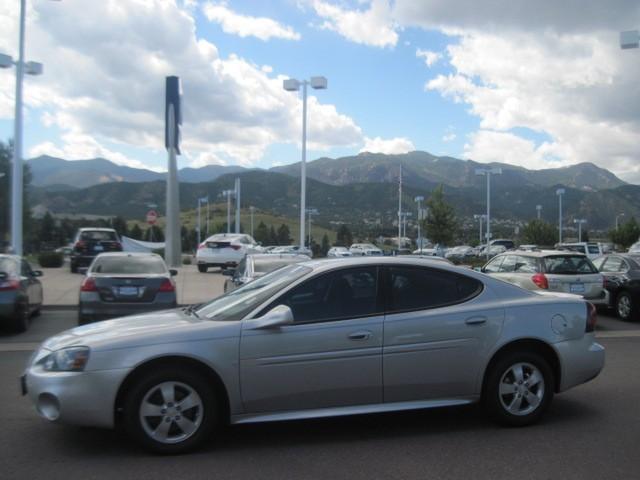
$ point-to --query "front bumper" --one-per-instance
(580, 360)
(75, 398)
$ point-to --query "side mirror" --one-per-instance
(173, 272)
(276, 317)
(36, 273)
(229, 272)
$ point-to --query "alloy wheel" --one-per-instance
(521, 389)
(624, 306)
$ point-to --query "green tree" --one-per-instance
(46, 232)
(30, 236)
(136, 232)
(344, 237)
(273, 236)
(626, 234)
(261, 234)
(325, 245)
(440, 224)
(157, 236)
(539, 232)
(284, 235)
(119, 224)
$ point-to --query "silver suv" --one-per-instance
(552, 270)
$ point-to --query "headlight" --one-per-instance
(72, 359)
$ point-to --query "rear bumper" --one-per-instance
(602, 299)
(82, 260)
(91, 308)
(580, 361)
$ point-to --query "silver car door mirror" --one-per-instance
(276, 317)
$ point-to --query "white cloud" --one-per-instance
(430, 58)
(395, 145)
(113, 91)
(246, 26)
(449, 137)
(374, 26)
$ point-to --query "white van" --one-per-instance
(590, 249)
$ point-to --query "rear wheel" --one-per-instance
(626, 308)
(202, 268)
(171, 411)
(21, 318)
(73, 266)
(518, 389)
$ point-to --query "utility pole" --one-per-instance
(400, 208)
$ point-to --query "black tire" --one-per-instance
(36, 312)
(626, 308)
(202, 268)
(206, 416)
(73, 267)
(21, 318)
(542, 391)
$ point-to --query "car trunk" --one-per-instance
(128, 288)
(95, 247)
(216, 247)
(587, 285)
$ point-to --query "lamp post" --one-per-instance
(618, 215)
(488, 172)
(419, 199)
(30, 68)
(200, 202)
(579, 221)
(538, 210)
(228, 194)
(251, 210)
(310, 212)
(560, 193)
(293, 85)
(480, 217)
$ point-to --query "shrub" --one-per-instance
(51, 260)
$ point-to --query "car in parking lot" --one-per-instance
(125, 283)
(622, 281)
(590, 249)
(20, 292)
(224, 250)
(364, 249)
(552, 270)
(316, 339)
(257, 265)
(339, 252)
(90, 242)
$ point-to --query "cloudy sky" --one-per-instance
(538, 84)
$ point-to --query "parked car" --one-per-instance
(590, 249)
(507, 244)
(256, 266)
(339, 252)
(20, 292)
(90, 242)
(460, 253)
(493, 250)
(364, 249)
(622, 281)
(125, 283)
(552, 270)
(316, 339)
(635, 248)
(224, 250)
(289, 249)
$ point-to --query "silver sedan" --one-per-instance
(316, 339)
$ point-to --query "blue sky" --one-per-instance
(501, 84)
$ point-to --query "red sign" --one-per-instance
(152, 217)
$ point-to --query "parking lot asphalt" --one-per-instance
(591, 431)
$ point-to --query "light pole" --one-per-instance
(200, 202)
(560, 193)
(538, 209)
(419, 199)
(228, 194)
(579, 221)
(153, 206)
(293, 85)
(310, 212)
(618, 215)
(488, 172)
(30, 68)
(251, 210)
(480, 217)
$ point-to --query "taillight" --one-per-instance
(235, 247)
(118, 246)
(167, 286)
(88, 285)
(592, 318)
(540, 280)
(9, 284)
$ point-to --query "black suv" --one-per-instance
(89, 243)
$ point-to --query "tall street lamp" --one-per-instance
(618, 215)
(560, 193)
(228, 194)
(419, 200)
(488, 172)
(579, 221)
(538, 210)
(480, 217)
(200, 202)
(251, 210)
(30, 68)
(293, 85)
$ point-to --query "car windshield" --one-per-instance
(236, 304)
(129, 264)
(568, 265)
(99, 235)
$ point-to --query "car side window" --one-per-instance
(493, 266)
(509, 264)
(525, 265)
(337, 295)
(614, 264)
(25, 269)
(424, 288)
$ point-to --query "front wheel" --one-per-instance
(518, 389)
(202, 268)
(171, 411)
(626, 307)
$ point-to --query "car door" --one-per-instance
(31, 284)
(614, 269)
(438, 331)
(330, 356)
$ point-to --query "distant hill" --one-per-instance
(64, 174)
(423, 169)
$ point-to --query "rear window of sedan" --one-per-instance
(99, 235)
(568, 265)
(268, 265)
(129, 265)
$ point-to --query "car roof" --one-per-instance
(96, 229)
(275, 256)
(408, 260)
(129, 254)
(539, 253)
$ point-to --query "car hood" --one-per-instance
(136, 330)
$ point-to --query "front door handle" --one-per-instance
(476, 320)
(361, 335)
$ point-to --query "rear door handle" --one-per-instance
(476, 320)
(361, 335)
